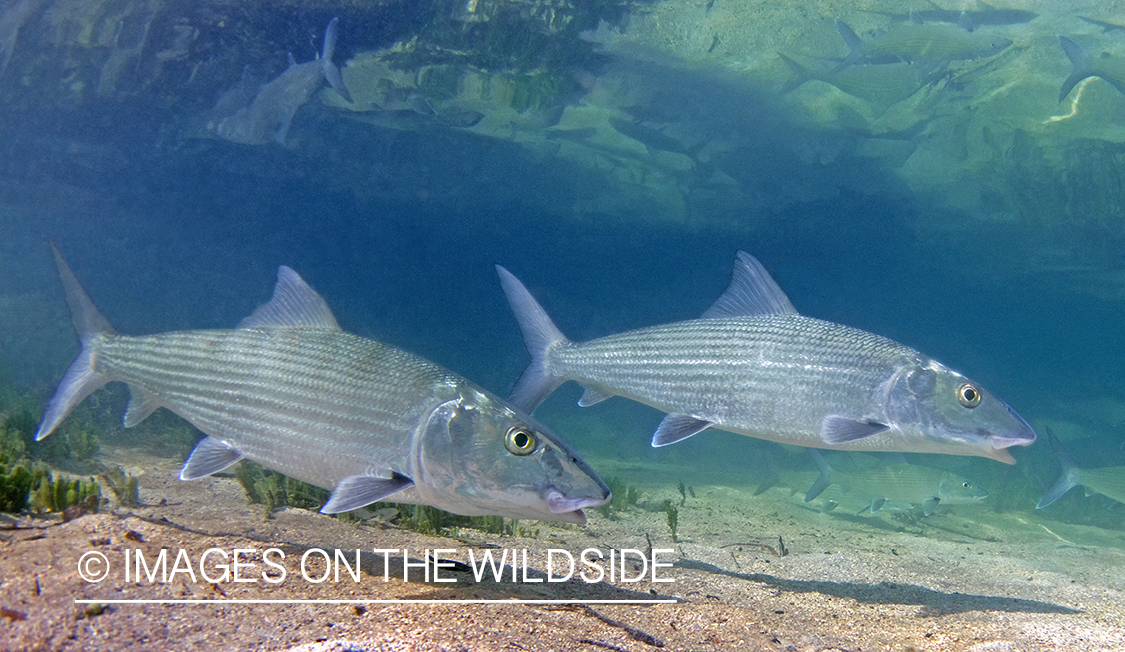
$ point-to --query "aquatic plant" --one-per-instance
(274, 490)
(632, 495)
(683, 493)
(433, 521)
(75, 439)
(124, 486)
(16, 481)
(623, 496)
(15, 432)
(56, 495)
(27, 483)
(673, 518)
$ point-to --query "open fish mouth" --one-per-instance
(570, 509)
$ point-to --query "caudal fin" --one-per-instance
(331, 71)
(824, 480)
(539, 335)
(799, 76)
(1066, 480)
(856, 46)
(1080, 60)
(80, 379)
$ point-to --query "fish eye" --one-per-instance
(966, 485)
(519, 441)
(968, 395)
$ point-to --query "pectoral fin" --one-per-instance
(678, 427)
(210, 456)
(930, 505)
(359, 490)
(840, 430)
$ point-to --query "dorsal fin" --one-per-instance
(752, 291)
(965, 22)
(294, 305)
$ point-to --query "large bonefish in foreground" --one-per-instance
(290, 390)
(752, 365)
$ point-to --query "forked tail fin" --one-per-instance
(1066, 480)
(331, 70)
(824, 480)
(1080, 62)
(80, 379)
(539, 335)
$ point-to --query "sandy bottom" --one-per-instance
(964, 579)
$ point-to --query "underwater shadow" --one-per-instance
(933, 603)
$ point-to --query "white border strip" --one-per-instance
(264, 601)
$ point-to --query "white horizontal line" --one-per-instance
(265, 601)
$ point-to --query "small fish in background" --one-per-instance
(1109, 481)
(879, 85)
(754, 366)
(268, 116)
(1106, 27)
(899, 482)
(922, 42)
(1106, 66)
(968, 19)
(292, 391)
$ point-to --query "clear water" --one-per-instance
(989, 236)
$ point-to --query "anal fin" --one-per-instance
(210, 456)
(678, 427)
(356, 491)
(141, 404)
(593, 396)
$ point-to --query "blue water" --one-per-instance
(399, 231)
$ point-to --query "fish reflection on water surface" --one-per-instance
(754, 366)
(292, 391)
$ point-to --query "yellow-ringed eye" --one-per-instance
(968, 395)
(520, 441)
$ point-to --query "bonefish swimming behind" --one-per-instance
(292, 391)
(754, 366)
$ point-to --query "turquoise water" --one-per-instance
(614, 169)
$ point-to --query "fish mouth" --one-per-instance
(570, 509)
(1023, 436)
(1001, 454)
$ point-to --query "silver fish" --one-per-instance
(907, 483)
(753, 366)
(968, 19)
(269, 115)
(881, 85)
(915, 42)
(1108, 481)
(292, 391)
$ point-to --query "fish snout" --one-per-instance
(1021, 434)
